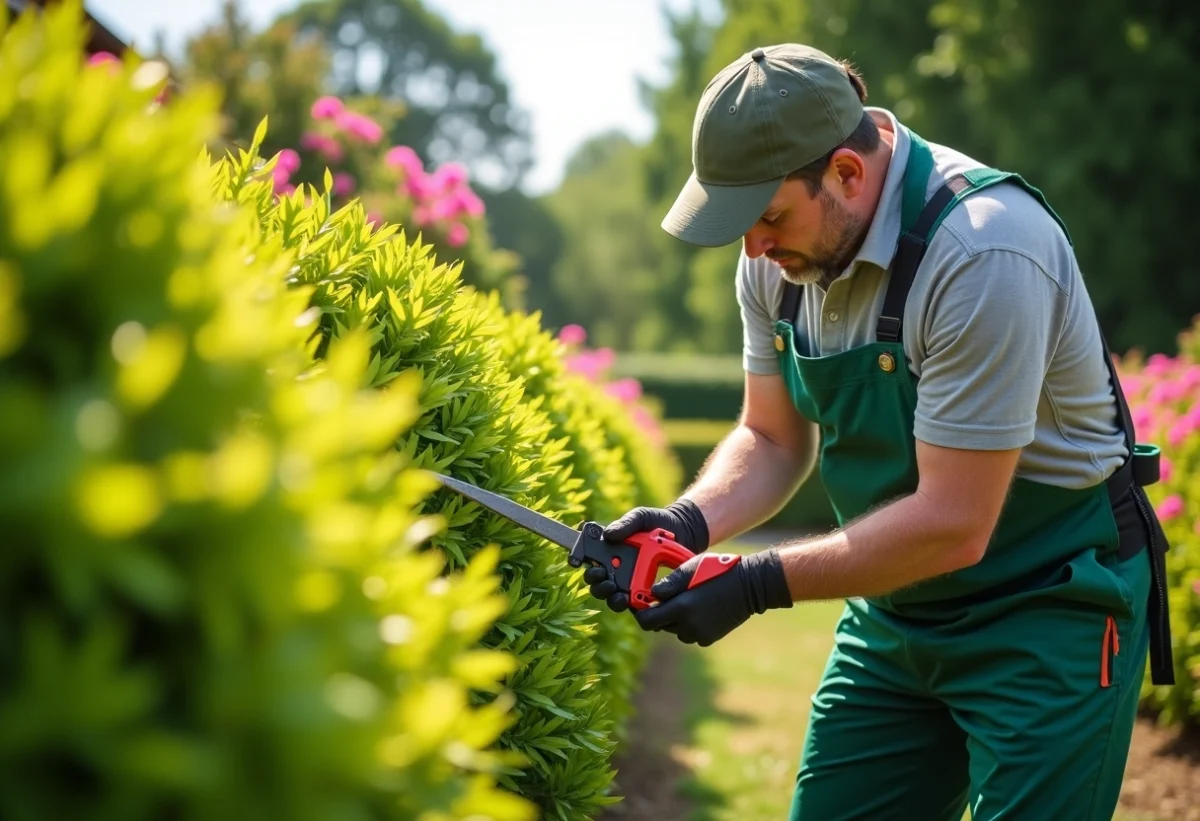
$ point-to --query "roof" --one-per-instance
(102, 38)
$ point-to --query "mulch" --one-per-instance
(1162, 777)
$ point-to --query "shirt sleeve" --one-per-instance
(758, 321)
(990, 331)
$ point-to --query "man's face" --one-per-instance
(811, 238)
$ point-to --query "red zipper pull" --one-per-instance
(1111, 641)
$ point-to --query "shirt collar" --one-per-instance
(879, 246)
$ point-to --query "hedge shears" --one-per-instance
(633, 565)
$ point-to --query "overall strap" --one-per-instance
(918, 223)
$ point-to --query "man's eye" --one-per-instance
(770, 220)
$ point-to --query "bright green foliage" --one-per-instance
(211, 604)
(1164, 396)
(496, 409)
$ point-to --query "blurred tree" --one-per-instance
(1087, 103)
(277, 71)
(284, 73)
(459, 108)
(608, 275)
(1094, 104)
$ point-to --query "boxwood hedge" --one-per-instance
(230, 590)
(497, 409)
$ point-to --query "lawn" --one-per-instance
(746, 707)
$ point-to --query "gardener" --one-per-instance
(917, 325)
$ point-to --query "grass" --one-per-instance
(747, 711)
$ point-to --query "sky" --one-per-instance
(573, 65)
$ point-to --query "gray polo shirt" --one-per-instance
(998, 326)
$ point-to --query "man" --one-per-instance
(917, 325)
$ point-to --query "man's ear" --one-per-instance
(849, 172)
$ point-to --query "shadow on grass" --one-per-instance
(654, 770)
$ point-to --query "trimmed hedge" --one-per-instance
(687, 386)
(211, 604)
(233, 593)
(497, 410)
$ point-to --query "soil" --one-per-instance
(648, 772)
(1162, 777)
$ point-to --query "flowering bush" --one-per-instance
(1164, 398)
(393, 184)
(595, 365)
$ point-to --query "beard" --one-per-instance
(842, 234)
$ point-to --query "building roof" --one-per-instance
(102, 38)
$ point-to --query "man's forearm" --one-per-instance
(746, 480)
(893, 547)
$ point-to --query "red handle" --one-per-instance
(656, 548)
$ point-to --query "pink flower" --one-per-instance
(450, 176)
(572, 335)
(469, 202)
(1180, 431)
(287, 190)
(648, 424)
(1158, 364)
(1142, 417)
(585, 364)
(359, 125)
(105, 58)
(401, 156)
(1170, 507)
(1191, 377)
(627, 389)
(343, 183)
(323, 144)
(605, 357)
(421, 215)
(421, 186)
(1196, 587)
(1166, 391)
(444, 209)
(1164, 468)
(280, 177)
(458, 235)
(288, 159)
(374, 217)
(326, 108)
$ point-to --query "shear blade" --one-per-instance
(538, 523)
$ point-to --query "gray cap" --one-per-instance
(770, 112)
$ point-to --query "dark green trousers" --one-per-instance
(1017, 709)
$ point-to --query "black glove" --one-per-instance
(682, 518)
(723, 598)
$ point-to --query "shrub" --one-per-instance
(687, 386)
(496, 410)
(211, 602)
(1164, 397)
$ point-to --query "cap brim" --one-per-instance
(715, 215)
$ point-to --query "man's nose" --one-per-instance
(757, 243)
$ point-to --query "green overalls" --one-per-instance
(1010, 686)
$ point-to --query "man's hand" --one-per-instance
(725, 590)
(681, 518)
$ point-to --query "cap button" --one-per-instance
(758, 54)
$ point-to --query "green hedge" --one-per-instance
(230, 592)
(498, 409)
(688, 387)
(211, 602)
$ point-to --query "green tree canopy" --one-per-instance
(459, 108)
